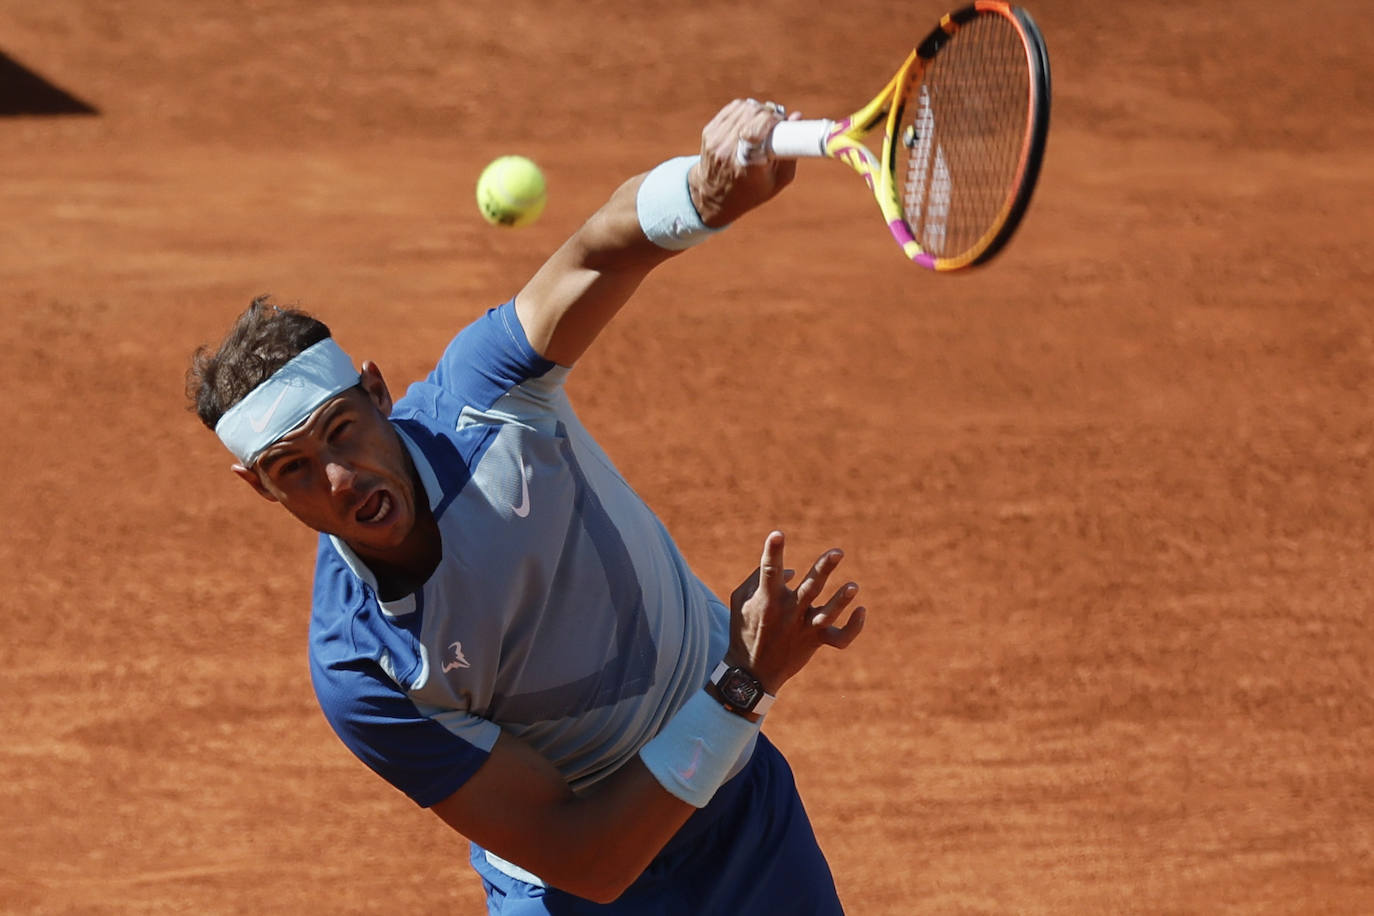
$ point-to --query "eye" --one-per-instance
(290, 467)
(340, 429)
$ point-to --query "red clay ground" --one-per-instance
(1109, 497)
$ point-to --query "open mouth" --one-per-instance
(376, 509)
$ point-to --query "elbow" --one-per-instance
(598, 881)
(610, 896)
(604, 887)
(611, 893)
(598, 877)
(600, 871)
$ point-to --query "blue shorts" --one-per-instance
(750, 852)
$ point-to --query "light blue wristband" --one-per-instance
(696, 750)
(665, 209)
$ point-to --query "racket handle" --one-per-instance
(800, 139)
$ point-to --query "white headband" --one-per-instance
(279, 404)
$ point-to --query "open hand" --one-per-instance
(774, 630)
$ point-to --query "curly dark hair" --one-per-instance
(263, 339)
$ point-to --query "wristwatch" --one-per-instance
(740, 690)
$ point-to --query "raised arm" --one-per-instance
(576, 293)
(595, 845)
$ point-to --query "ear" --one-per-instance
(375, 386)
(250, 477)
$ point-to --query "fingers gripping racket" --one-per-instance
(964, 123)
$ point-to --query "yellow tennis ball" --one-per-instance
(511, 192)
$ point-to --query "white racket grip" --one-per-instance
(800, 139)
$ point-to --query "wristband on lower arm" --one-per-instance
(695, 751)
(664, 205)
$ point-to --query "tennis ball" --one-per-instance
(511, 192)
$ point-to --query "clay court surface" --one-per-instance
(1109, 498)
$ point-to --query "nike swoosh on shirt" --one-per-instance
(523, 510)
(260, 423)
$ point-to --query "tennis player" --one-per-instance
(501, 628)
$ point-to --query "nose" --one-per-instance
(341, 476)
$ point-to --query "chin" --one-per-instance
(387, 536)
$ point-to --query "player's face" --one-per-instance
(345, 471)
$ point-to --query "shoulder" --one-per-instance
(344, 618)
(480, 365)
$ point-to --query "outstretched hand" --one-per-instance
(724, 185)
(775, 630)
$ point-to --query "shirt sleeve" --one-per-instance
(424, 758)
(358, 665)
(488, 358)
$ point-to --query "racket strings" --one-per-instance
(962, 147)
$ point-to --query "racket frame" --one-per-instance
(844, 139)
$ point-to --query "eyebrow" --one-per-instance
(275, 454)
(266, 462)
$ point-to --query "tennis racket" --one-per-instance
(963, 122)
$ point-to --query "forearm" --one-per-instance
(648, 219)
(577, 292)
(595, 844)
(600, 842)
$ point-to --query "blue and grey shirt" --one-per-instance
(561, 611)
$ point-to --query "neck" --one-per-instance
(402, 571)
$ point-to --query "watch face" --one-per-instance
(740, 690)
